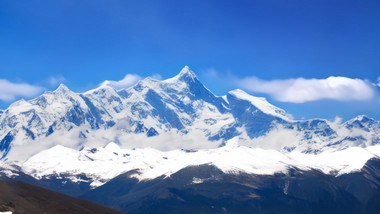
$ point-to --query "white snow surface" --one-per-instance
(105, 163)
(261, 103)
(8, 170)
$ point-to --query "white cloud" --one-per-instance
(127, 81)
(212, 73)
(157, 76)
(196, 139)
(9, 91)
(276, 139)
(302, 90)
(55, 80)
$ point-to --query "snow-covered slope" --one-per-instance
(105, 163)
(179, 110)
(260, 103)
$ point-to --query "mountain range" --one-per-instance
(178, 106)
(163, 144)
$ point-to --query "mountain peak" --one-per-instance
(20, 103)
(186, 71)
(186, 74)
(148, 80)
(361, 118)
(102, 89)
(62, 88)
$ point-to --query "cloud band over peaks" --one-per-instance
(302, 90)
(9, 91)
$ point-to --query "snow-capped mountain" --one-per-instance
(160, 143)
(229, 179)
(104, 163)
(177, 107)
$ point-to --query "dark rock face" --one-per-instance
(364, 185)
(5, 144)
(206, 189)
(20, 197)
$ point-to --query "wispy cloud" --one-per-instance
(127, 81)
(302, 90)
(55, 80)
(9, 91)
(211, 72)
(157, 76)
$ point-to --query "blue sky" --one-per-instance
(228, 44)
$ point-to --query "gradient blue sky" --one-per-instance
(83, 43)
